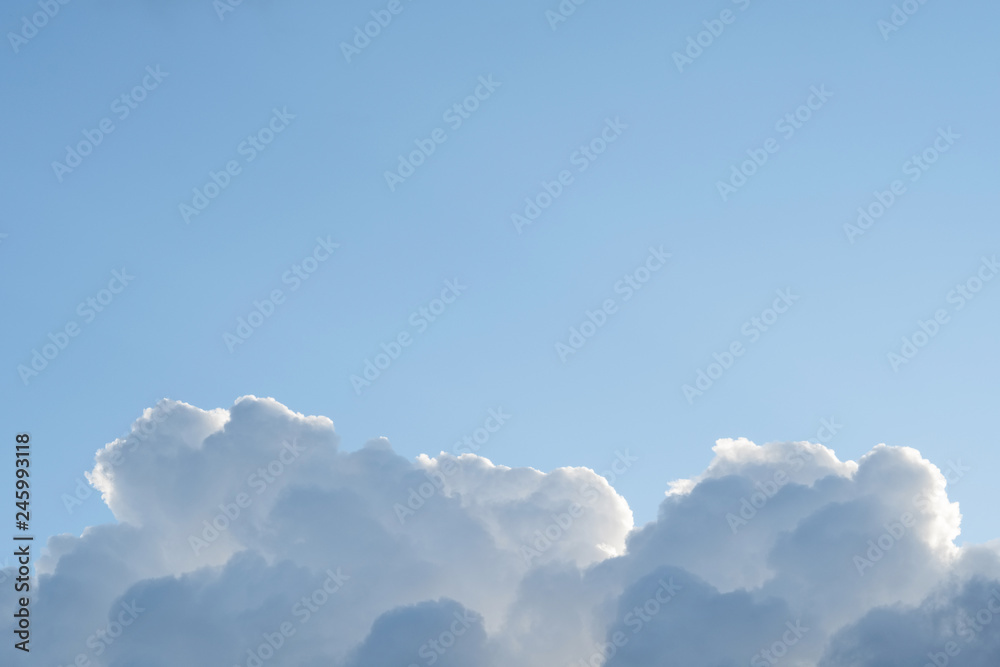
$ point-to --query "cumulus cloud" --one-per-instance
(246, 536)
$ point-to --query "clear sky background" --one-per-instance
(495, 346)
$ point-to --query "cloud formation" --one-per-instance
(247, 537)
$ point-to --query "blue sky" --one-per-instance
(344, 124)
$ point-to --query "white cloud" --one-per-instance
(246, 536)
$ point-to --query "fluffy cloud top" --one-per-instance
(246, 537)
